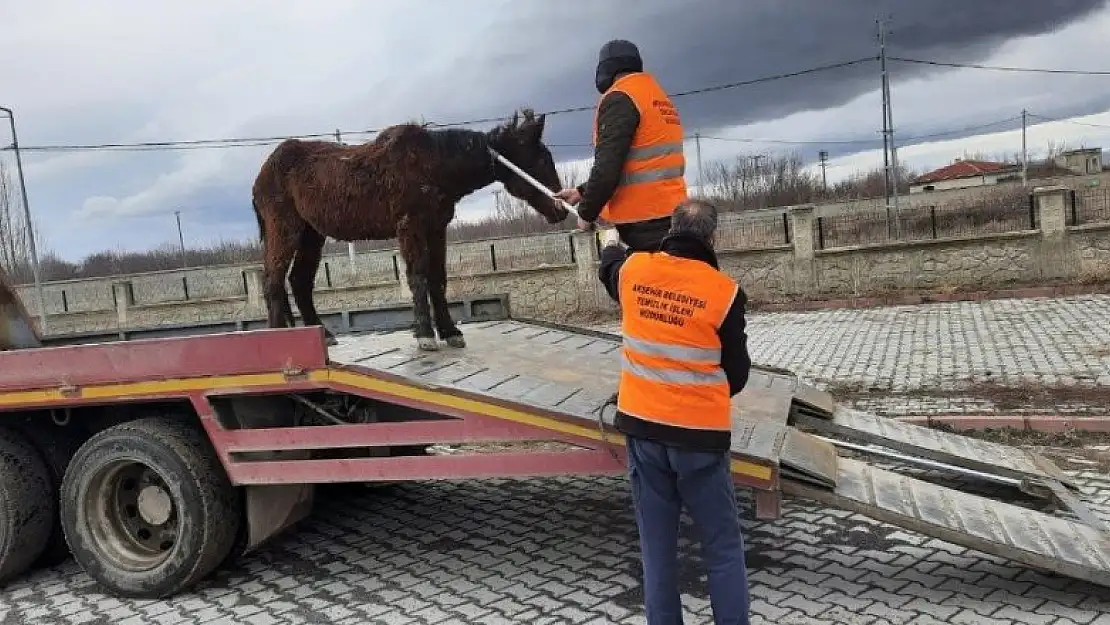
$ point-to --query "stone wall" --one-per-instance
(555, 276)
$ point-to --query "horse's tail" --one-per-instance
(269, 183)
(258, 217)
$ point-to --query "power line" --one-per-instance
(1002, 68)
(258, 141)
(1068, 121)
(225, 143)
(907, 138)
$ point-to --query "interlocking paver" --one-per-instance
(566, 550)
(1010, 342)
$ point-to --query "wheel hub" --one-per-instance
(155, 505)
(132, 515)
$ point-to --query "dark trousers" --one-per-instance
(644, 236)
(664, 479)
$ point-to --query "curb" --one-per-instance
(1031, 423)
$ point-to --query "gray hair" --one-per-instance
(696, 218)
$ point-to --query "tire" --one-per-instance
(28, 504)
(147, 509)
(56, 455)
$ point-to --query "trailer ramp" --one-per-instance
(558, 371)
(569, 378)
(925, 442)
(1033, 538)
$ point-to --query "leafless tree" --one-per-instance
(15, 242)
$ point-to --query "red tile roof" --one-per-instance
(964, 169)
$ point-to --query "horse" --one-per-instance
(404, 184)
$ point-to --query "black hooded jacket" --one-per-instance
(617, 121)
(735, 360)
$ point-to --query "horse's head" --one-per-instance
(520, 141)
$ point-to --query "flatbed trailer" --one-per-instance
(155, 461)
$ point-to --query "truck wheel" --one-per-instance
(56, 454)
(147, 509)
(27, 504)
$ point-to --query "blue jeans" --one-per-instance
(663, 479)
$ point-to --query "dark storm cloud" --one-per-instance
(545, 56)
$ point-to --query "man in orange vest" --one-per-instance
(638, 175)
(684, 356)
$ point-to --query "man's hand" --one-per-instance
(585, 226)
(570, 196)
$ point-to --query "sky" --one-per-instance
(137, 71)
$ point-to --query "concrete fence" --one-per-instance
(779, 258)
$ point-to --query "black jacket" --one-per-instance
(734, 348)
(617, 121)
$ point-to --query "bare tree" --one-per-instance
(15, 242)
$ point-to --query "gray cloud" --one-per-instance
(356, 66)
(694, 44)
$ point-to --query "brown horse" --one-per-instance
(404, 184)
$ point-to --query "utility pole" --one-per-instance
(823, 156)
(27, 217)
(880, 25)
(1024, 153)
(697, 149)
(350, 244)
(181, 240)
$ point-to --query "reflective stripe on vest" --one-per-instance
(671, 310)
(652, 181)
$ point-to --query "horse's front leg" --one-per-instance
(414, 250)
(437, 289)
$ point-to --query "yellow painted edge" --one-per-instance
(356, 380)
(461, 403)
(149, 387)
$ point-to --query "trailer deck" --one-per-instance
(377, 402)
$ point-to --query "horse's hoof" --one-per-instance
(456, 341)
(427, 343)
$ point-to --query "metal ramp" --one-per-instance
(563, 376)
(998, 528)
(962, 451)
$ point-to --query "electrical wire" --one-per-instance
(225, 143)
(258, 141)
(1067, 121)
(1001, 68)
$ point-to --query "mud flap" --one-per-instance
(273, 508)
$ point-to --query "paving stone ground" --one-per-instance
(565, 550)
(899, 351)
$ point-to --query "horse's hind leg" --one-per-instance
(281, 247)
(302, 278)
(437, 289)
(413, 241)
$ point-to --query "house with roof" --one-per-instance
(1081, 161)
(964, 173)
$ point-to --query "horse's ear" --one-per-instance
(533, 129)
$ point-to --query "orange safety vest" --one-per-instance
(671, 310)
(653, 179)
